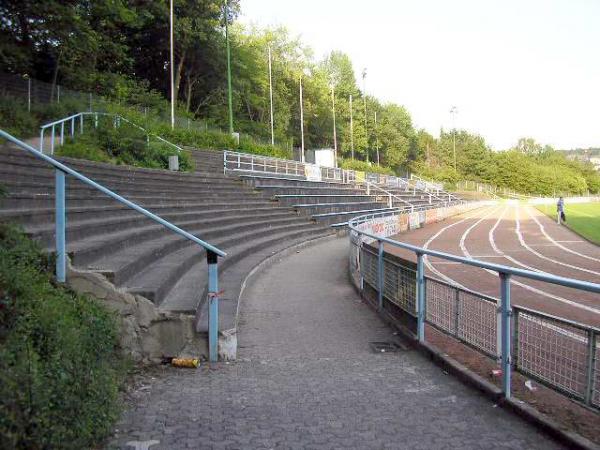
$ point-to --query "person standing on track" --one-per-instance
(560, 210)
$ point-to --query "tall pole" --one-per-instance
(453, 111)
(334, 130)
(376, 139)
(172, 65)
(271, 97)
(364, 76)
(301, 122)
(229, 101)
(351, 129)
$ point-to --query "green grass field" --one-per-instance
(582, 218)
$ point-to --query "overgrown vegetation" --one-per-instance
(123, 145)
(59, 368)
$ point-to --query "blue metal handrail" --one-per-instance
(505, 273)
(60, 208)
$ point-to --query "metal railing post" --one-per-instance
(96, 120)
(42, 140)
(390, 202)
(505, 333)
(62, 133)
(81, 125)
(420, 298)
(456, 312)
(213, 306)
(380, 277)
(73, 127)
(368, 188)
(591, 367)
(60, 225)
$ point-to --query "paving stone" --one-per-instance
(307, 378)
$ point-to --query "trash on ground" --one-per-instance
(185, 362)
(529, 385)
(496, 372)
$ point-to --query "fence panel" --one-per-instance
(442, 306)
(552, 351)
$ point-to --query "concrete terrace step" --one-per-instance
(159, 278)
(124, 263)
(81, 229)
(41, 200)
(337, 217)
(32, 218)
(272, 180)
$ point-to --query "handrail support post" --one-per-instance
(591, 367)
(60, 225)
(505, 311)
(380, 277)
(213, 306)
(420, 298)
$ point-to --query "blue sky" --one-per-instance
(512, 68)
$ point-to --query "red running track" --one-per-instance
(518, 236)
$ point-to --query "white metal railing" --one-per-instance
(76, 121)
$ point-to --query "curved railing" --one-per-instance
(61, 171)
(76, 121)
(559, 353)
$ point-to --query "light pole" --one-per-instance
(454, 111)
(271, 97)
(376, 139)
(334, 130)
(351, 129)
(229, 101)
(301, 122)
(172, 65)
(364, 76)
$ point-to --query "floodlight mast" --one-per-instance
(453, 112)
(172, 64)
(271, 97)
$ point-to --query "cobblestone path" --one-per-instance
(307, 378)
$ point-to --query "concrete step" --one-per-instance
(160, 277)
(339, 217)
(325, 198)
(82, 229)
(43, 218)
(25, 201)
(124, 264)
(265, 180)
(307, 190)
(320, 208)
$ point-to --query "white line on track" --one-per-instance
(435, 236)
(539, 255)
(557, 243)
(526, 286)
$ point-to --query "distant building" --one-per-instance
(596, 162)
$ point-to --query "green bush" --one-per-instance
(355, 164)
(15, 119)
(59, 368)
(123, 145)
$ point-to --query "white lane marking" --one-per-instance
(526, 286)
(539, 255)
(435, 236)
(557, 243)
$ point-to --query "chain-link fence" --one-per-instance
(34, 92)
(561, 354)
